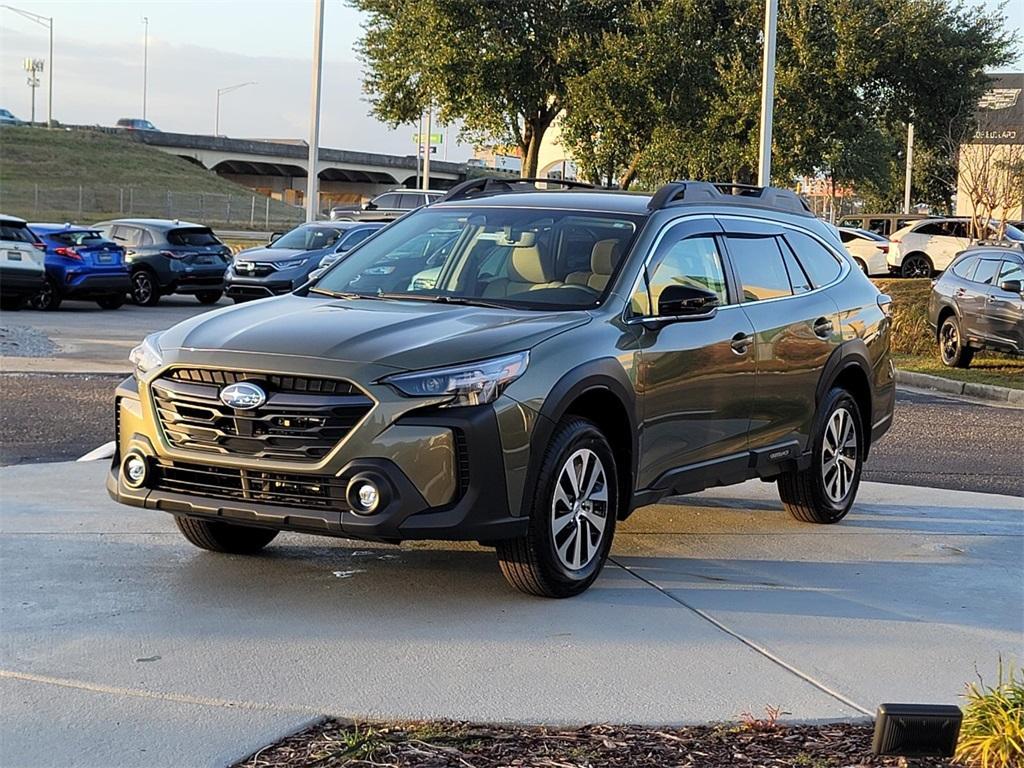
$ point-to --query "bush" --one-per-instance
(992, 734)
(910, 334)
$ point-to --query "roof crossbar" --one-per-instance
(724, 191)
(489, 185)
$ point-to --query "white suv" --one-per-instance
(21, 263)
(929, 246)
(869, 249)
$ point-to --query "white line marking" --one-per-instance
(105, 451)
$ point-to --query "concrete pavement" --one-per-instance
(713, 605)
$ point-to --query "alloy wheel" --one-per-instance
(839, 455)
(44, 299)
(916, 266)
(949, 339)
(142, 288)
(579, 509)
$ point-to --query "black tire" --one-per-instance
(144, 289)
(861, 265)
(806, 494)
(240, 300)
(209, 297)
(224, 537)
(916, 265)
(114, 301)
(532, 563)
(48, 299)
(13, 303)
(953, 351)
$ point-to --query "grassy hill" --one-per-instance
(84, 176)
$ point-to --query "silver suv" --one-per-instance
(387, 207)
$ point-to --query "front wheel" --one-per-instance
(48, 298)
(209, 297)
(825, 491)
(224, 537)
(144, 291)
(916, 265)
(572, 516)
(952, 350)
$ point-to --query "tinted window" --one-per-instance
(957, 229)
(308, 238)
(931, 228)
(820, 265)
(386, 201)
(878, 225)
(408, 201)
(965, 267)
(78, 238)
(127, 235)
(846, 236)
(693, 262)
(1010, 271)
(760, 266)
(192, 236)
(17, 233)
(357, 237)
(986, 271)
(797, 278)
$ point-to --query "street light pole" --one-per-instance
(43, 21)
(312, 176)
(145, 63)
(764, 165)
(910, 168)
(220, 92)
(428, 147)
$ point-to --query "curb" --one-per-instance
(965, 388)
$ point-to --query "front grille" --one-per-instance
(249, 485)
(302, 420)
(256, 270)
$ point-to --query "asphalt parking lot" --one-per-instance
(712, 606)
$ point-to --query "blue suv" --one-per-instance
(285, 264)
(80, 264)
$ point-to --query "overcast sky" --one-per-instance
(196, 47)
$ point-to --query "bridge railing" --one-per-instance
(87, 204)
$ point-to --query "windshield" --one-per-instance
(192, 236)
(528, 258)
(79, 238)
(307, 238)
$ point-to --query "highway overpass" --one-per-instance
(279, 168)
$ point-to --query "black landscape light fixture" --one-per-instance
(916, 730)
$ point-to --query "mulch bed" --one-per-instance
(752, 744)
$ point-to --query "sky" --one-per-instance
(196, 47)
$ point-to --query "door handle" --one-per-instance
(822, 327)
(741, 343)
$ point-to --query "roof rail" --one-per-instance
(728, 192)
(492, 185)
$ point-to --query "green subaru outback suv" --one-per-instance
(575, 354)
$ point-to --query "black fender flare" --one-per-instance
(849, 354)
(604, 374)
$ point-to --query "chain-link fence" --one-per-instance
(87, 204)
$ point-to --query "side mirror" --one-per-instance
(370, 206)
(686, 301)
(1011, 286)
(274, 237)
(317, 273)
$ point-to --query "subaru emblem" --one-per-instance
(243, 396)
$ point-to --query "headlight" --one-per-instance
(147, 355)
(290, 264)
(468, 384)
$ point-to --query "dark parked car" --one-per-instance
(387, 207)
(80, 264)
(167, 257)
(285, 264)
(577, 355)
(978, 303)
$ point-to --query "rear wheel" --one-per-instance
(48, 298)
(861, 265)
(572, 516)
(114, 301)
(825, 491)
(224, 537)
(209, 297)
(144, 291)
(952, 349)
(916, 265)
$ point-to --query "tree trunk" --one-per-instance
(630, 174)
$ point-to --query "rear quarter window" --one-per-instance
(965, 267)
(818, 262)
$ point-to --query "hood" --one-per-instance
(407, 335)
(264, 255)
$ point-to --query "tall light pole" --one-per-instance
(221, 92)
(33, 67)
(910, 168)
(312, 177)
(145, 63)
(427, 149)
(43, 21)
(764, 164)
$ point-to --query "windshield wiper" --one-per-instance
(467, 301)
(345, 294)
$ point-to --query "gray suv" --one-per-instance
(576, 355)
(387, 207)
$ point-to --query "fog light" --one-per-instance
(368, 496)
(135, 471)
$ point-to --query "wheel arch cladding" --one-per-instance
(849, 369)
(944, 313)
(598, 391)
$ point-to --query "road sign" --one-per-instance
(435, 138)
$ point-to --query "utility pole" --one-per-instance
(145, 63)
(426, 152)
(764, 165)
(221, 92)
(910, 167)
(43, 21)
(312, 177)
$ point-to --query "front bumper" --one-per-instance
(256, 289)
(441, 474)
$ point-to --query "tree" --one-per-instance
(501, 69)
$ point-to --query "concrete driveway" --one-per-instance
(123, 646)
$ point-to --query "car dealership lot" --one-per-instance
(712, 606)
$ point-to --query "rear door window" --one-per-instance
(931, 228)
(760, 267)
(409, 201)
(125, 235)
(965, 267)
(820, 265)
(987, 271)
(386, 201)
(357, 237)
